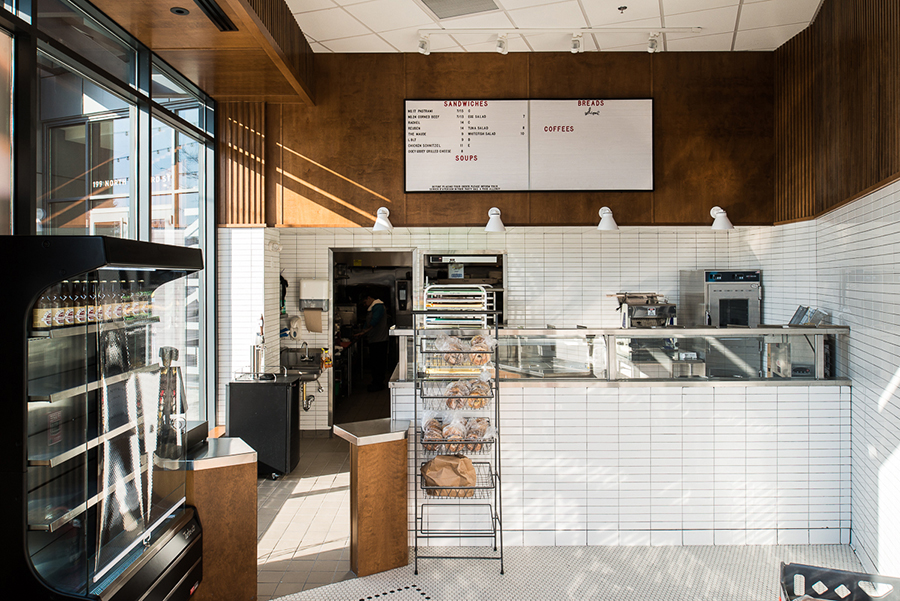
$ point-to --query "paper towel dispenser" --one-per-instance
(313, 303)
(314, 294)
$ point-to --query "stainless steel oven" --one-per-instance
(720, 298)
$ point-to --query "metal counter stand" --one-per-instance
(379, 480)
(221, 484)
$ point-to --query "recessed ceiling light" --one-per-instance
(180, 11)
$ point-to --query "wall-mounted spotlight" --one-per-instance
(577, 43)
(720, 219)
(607, 223)
(424, 45)
(502, 44)
(382, 223)
(494, 224)
(653, 43)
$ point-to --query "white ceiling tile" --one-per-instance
(674, 7)
(513, 4)
(605, 13)
(330, 24)
(707, 43)
(777, 12)
(304, 6)
(363, 43)
(386, 15)
(718, 20)
(562, 14)
(407, 40)
(492, 19)
(768, 38)
(317, 47)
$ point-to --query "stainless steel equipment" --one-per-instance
(645, 310)
(403, 304)
(474, 267)
(721, 298)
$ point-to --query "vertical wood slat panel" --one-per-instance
(282, 26)
(837, 107)
(242, 158)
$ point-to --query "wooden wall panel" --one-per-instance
(242, 160)
(837, 99)
(343, 158)
(714, 121)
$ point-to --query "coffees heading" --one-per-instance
(529, 145)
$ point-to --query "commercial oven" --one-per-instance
(720, 298)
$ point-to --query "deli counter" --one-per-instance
(765, 355)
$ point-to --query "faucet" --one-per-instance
(305, 345)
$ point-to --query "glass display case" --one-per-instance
(98, 401)
(774, 353)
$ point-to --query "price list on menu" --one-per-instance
(466, 145)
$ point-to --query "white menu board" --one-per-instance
(591, 144)
(466, 145)
(522, 145)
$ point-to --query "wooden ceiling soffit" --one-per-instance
(266, 59)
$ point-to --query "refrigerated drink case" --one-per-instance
(103, 422)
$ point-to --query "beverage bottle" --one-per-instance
(43, 313)
(103, 302)
(69, 300)
(78, 302)
(116, 294)
(90, 300)
(57, 309)
(125, 298)
(142, 300)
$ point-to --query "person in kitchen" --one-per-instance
(376, 335)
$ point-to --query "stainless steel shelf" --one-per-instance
(90, 328)
(65, 385)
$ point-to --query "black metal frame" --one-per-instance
(481, 490)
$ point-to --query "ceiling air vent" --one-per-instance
(215, 14)
(444, 9)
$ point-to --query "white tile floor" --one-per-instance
(304, 522)
(304, 555)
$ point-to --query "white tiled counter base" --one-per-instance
(670, 466)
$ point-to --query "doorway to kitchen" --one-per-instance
(363, 279)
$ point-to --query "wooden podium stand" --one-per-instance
(379, 499)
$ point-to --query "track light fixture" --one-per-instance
(653, 43)
(424, 45)
(502, 43)
(577, 43)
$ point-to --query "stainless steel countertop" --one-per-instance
(219, 452)
(373, 431)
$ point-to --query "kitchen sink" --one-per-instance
(295, 362)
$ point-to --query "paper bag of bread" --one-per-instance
(455, 474)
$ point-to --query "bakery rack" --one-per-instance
(473, 512)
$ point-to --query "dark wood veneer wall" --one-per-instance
(837, 99)
(335, 163)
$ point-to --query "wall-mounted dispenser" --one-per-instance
(313, 302)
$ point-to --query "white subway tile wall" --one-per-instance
(668, 466)
(845, 263)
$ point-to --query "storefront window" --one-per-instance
(88, 185)
(177, 161)
(67, 24)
